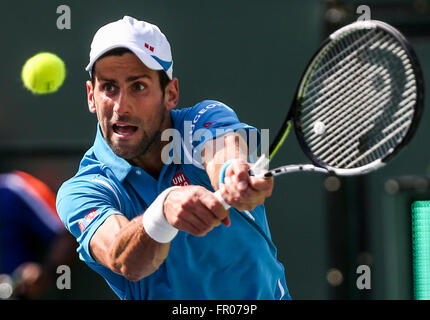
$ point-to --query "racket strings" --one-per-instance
(343, 71)
(398, 110)
(380, 147)
(340, 132)
(379, 144)
(324, 71)
(346, 111)
(338, 109)
(346, 141)
(363, 91)
(395, 121)
(353, 84)
(348, 114)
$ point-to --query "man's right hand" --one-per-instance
(194, 209)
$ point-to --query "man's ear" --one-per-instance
(90, 97)
(171, 94)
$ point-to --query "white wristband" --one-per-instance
(155, 223)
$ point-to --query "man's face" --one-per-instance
(129, 103)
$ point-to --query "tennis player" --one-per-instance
(150, 224)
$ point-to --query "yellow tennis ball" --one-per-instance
(43, 73)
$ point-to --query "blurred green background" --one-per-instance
(250, 55)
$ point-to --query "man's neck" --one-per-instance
(151, 161)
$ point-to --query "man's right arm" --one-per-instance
(125, 247)
(90, 208)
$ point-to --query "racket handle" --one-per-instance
(294, 168)
(259, 165)
(220, 199)
(255, 170)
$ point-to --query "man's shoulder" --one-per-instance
(89, 174)
(204, 105)
(206, 109)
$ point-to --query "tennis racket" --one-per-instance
(358, 103)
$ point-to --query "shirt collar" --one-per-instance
(120, 167)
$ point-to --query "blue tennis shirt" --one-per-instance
(236, 262)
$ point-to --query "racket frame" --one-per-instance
(292, 116)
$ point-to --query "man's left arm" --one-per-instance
(239, 190)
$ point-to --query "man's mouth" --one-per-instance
(124, 130)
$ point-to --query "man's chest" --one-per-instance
(141, 190)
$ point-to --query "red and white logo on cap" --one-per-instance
(147, 46)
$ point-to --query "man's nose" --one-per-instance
(122, 105)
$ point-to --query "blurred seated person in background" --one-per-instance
(33, 241)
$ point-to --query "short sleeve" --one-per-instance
(83, 204)
(211, 119)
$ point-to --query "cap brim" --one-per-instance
(146, 59)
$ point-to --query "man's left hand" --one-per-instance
(242, 191)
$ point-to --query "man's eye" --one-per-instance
(108, 87)
(139, 86)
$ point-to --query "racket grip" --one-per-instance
(259, 165)
(220, 199)
(255, 170)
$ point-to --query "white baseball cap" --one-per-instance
(144, 39)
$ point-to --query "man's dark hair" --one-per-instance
(162, 75)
